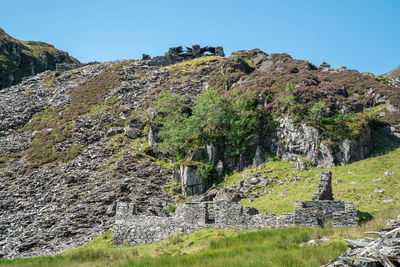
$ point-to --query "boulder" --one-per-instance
(192, 183)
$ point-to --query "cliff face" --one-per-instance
(19, 59)
(73, 143)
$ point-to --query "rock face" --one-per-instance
(296, 142)
(324, 190)
(25, 58)
(192, 183)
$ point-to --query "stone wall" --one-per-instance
(231, 215)
(320, 212)
(324, 189)
(131, 229)
(134, 229)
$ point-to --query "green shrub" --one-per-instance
(171, 208)
(230, 120)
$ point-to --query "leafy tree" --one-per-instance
(228, 119)
(166, 105)
(173, 122)
(209, 115)
(242, 123)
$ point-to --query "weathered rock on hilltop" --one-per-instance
(73, 143)
(178, 54)
(393, 76)
(19, 59)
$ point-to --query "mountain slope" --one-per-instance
(395, 73)
(74, 143)
(19, 59)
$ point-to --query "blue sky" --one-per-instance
(362, 35)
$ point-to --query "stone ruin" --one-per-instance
(179, 54)
(132, 229)
(324, 190)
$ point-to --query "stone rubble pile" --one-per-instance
(384, 250)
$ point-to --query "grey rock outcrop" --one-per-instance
(192, 183)
(152, 136)
(179, 54)
(324, 190)
(258, 160)
(294, 143)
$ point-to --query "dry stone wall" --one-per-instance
(230, 215)
(132, 229)
(319, 212)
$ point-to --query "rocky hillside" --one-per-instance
(19, 59)
(395, 73)
(73, 143)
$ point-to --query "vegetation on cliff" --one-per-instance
(19, 59)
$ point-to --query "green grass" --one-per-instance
(366, 174)
(208, 247)
(190, 65)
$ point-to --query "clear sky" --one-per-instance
(358, 34)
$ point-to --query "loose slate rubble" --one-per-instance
(383, 250)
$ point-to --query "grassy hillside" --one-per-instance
(357, 183)
(395, 73)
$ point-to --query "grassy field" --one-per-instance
(242, 248)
